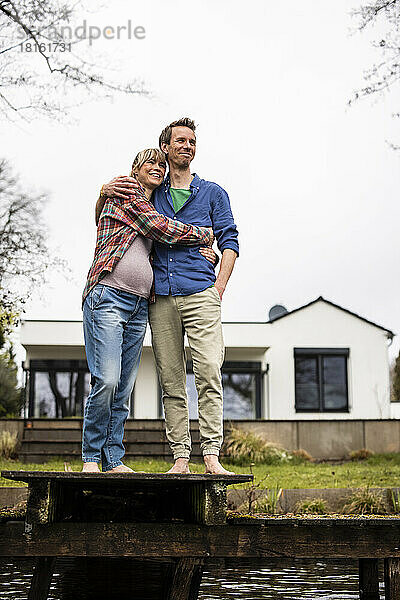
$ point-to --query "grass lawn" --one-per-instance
(381, 470)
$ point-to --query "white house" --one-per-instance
(319, 361)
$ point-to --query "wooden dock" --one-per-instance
(181, 521)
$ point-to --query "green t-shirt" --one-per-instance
(179, 197)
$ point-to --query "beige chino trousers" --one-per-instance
(199, 315)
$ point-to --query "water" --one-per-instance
(272, 579)
(278, 579)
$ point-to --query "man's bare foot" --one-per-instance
(181, 466)
(90, 467)
(214, 467)
(121, 469)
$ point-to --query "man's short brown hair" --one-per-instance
(166, 133)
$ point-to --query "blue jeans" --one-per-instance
(114, 325)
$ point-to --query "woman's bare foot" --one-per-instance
(214, 467)
(121, 469)
(181, 466)
(90, 467)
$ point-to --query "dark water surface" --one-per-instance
(272, 579)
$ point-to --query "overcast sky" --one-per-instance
(314, 186)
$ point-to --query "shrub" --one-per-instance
(314, 506)
(395, 372)
(302, 455)
(8, 444)
(11, 399)
(269, 503)
(244, 447)
(361, 454)
(365, 502)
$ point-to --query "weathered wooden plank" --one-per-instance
(50, 435)
(131, 436)
(368, 579)
(53, 424)
(125, 497)
(78, 476)
(302, 539)
(42, 576)
(76, 423)
(55, 447)
(392, 578)
(186, 579)
(196, 582)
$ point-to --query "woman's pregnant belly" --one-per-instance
(133, 273)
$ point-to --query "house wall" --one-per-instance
(52, 333)
(322, 325)
(395, 410)
(272, 344)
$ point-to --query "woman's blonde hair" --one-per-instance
(143, 156)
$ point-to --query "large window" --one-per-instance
(242, 384)
(321, 379)
(59, 388)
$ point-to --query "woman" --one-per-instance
(115, 306)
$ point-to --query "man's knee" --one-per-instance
(174, 395)
(209, 372)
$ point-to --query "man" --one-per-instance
(188, 298)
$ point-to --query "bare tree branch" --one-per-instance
(24, 255)
(383, 76)
(369, 12)
(386, 73)
(25, 88)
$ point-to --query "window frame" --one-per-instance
(242, 367)
(319, 354)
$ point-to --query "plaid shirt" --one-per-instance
(121, 221)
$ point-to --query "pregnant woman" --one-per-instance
(115, 306)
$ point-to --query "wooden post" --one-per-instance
(392, 578)
(41, 579)
(368, 579)
(186, 579)
(207, 503)
(41, 504)
(215, 504)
